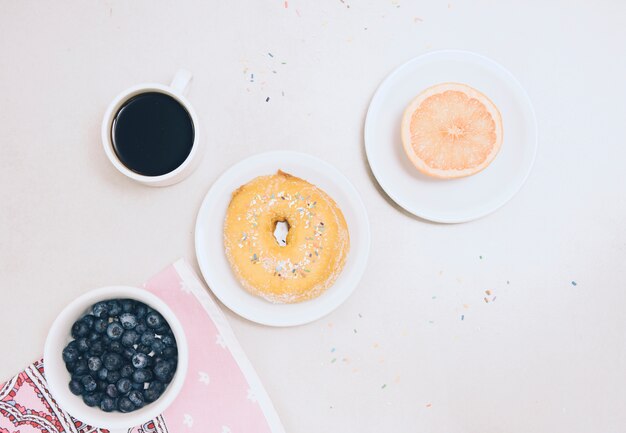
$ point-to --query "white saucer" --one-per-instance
(210, 246)
(456, 200)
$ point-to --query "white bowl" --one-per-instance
(58, 377)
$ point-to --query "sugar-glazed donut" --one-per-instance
(316, 247)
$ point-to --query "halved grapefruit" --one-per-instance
(451, 130)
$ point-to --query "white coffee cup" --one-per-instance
(176, 90)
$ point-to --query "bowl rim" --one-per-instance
(58, 377)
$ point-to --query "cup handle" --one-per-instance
(181, 81)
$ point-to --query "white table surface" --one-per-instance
(546, 355)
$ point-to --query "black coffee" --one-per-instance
(152, 134)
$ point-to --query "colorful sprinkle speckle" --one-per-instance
(574, 283)
(490, 296)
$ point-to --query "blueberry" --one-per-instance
(70, 353)
(103, 374)
(128, 353)
(168, 340)
(157, 347)
(77, 378)
(137, 386)
(94, 363)
(96, 348)
(79, 329)
(116, 347)
(126, 370)
(107, 404)
(154, 391)
(89, 383)
(101, 310)
(101, 385)
(163, 329)
(129, 338)
(144, 349)
(127, 305)
(70, 366)
(141, 310)
(163, 370)
(128, 320)
(114, 331)
(123, 385)
(153, 320)
(142, 375)
(147, 338)
(76, 387)
(125, 405)
(81, 367)
(136, 398)
(100, 326)
(92, 399)
(93, 336)
(111, 390)
(170, 352)
(72, 344)
(113, 376)
(140, 360)
(114, 306)
(82, 344)
(89, 320)
(112, 361)
(141, 328)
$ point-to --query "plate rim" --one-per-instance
(361, 210)
(388, 80)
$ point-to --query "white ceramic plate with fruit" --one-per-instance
(116, 357)
(405, 177)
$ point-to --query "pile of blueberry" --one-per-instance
(122, 356)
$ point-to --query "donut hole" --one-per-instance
(281, 229)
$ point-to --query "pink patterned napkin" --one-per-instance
(222, 393)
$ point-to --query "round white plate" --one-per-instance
(210, 245)
(454, 200)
